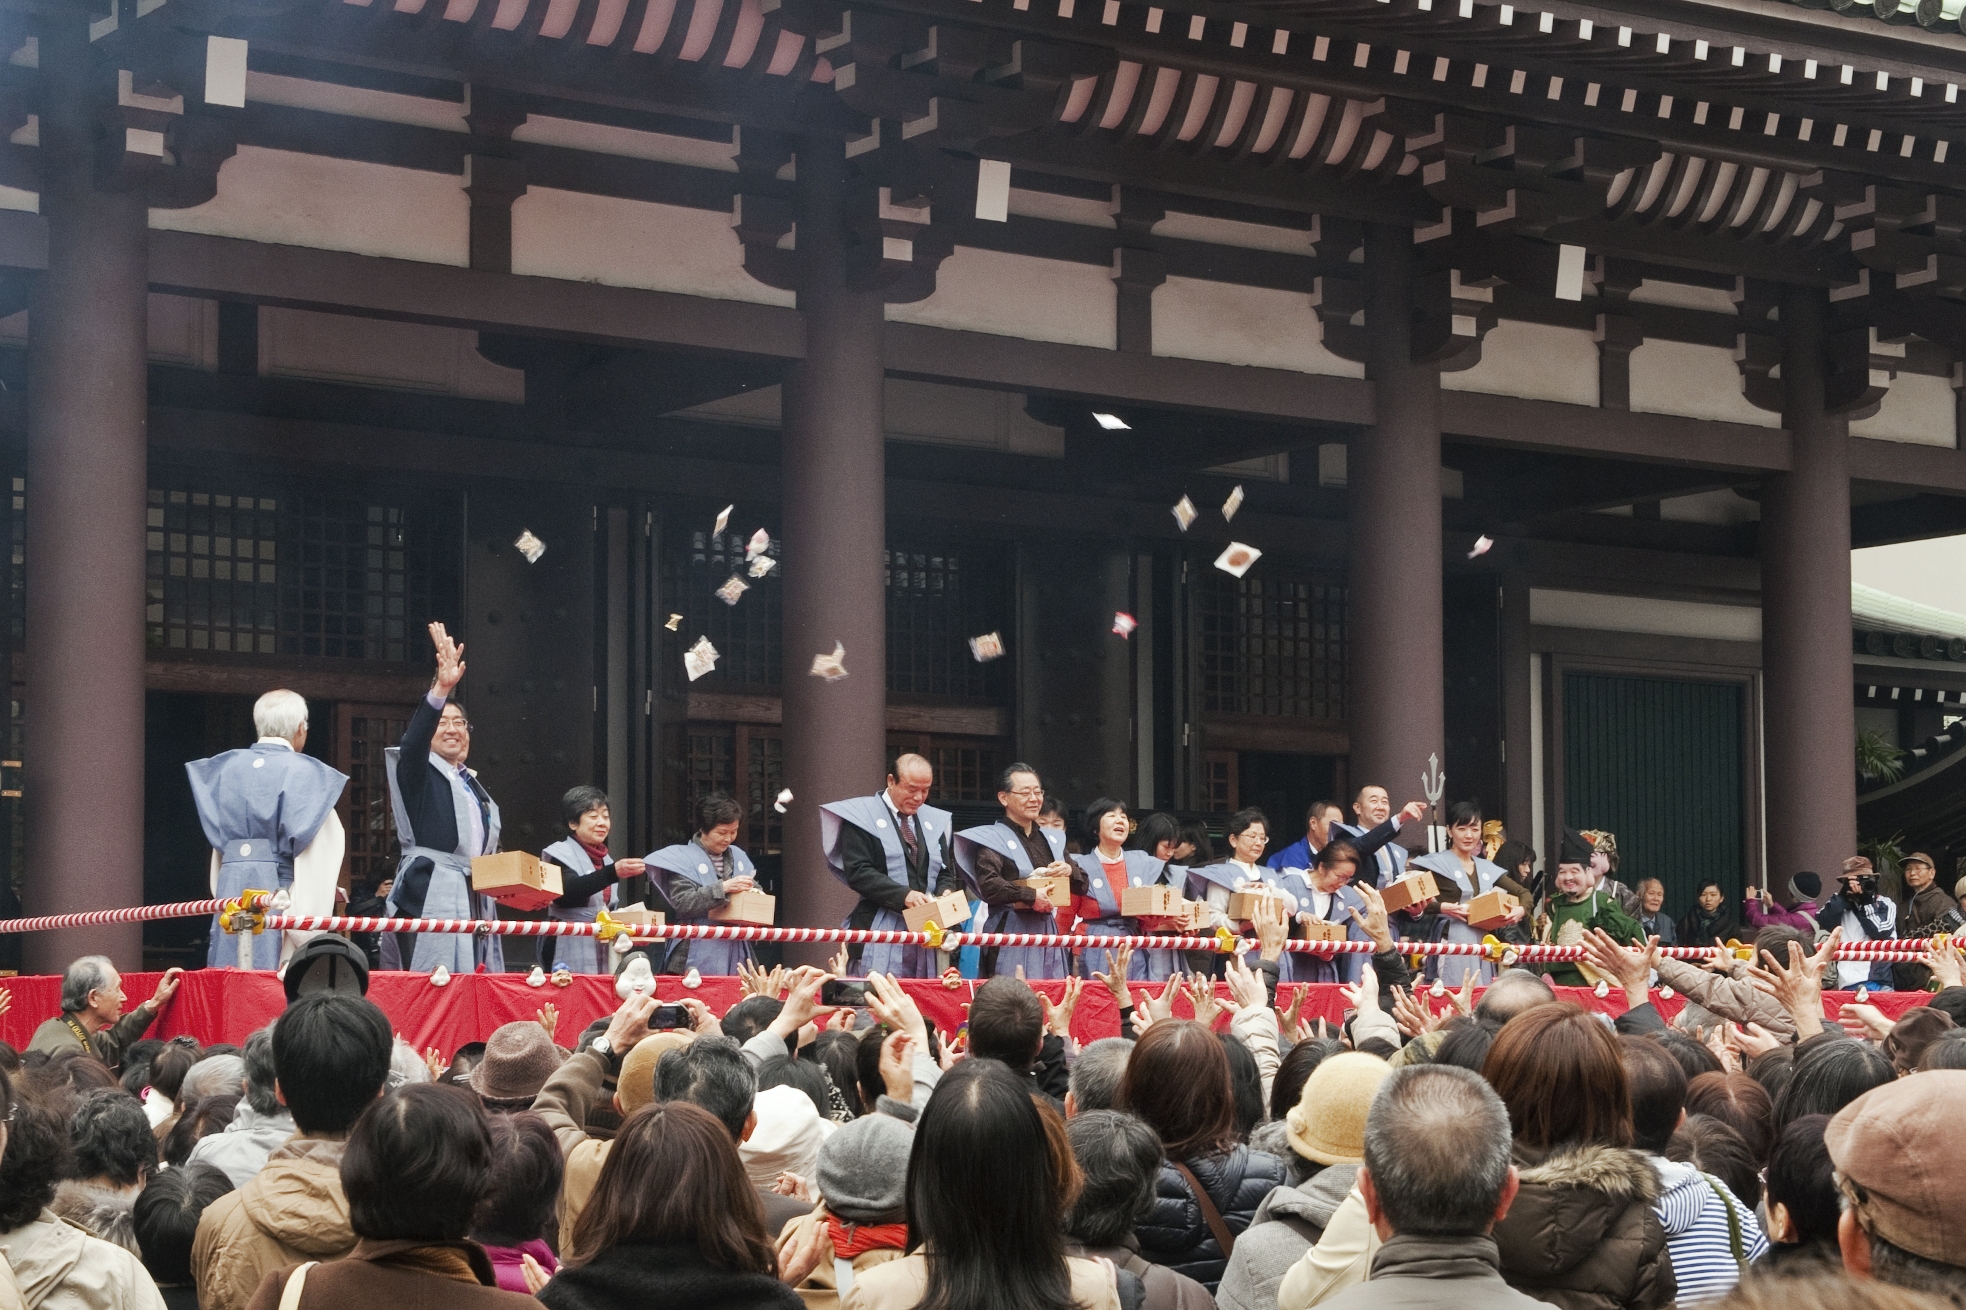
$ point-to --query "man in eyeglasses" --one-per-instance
(444, 817)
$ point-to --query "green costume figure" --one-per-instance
(1576, 907)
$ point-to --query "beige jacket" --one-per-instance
(293, 1211)
(822, 1290)
(56, 1266)
(901, 1284)
(1342, 1258)
(1732, 997)
(570, 1091)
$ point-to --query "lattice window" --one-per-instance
(711, 765)
(936, 601)
(304, 574)
(366, 813)
(1272, 646)
(764, 776)
(747, 635)
(1219, 789)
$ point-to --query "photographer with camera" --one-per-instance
(1864, 916)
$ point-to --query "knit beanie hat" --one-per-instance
(863, 1170)
(1328, 1122)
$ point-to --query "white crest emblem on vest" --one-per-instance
(703, 868)
(1097, 884)
(259, 764)
(880, 823)
(245, 849)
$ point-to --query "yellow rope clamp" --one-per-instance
(1739, 951)
(606, 927)
(246, 914)
(933, 931)
(1226, 941)
(1499, 951)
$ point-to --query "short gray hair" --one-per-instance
(280, 713)
(91, 973)
(260, 1073)
(223, 1074)
(1512, 992)
(1097, 1072)
(1437, 1146)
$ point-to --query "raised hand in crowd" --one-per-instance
(1751, 1041)
(702, 1019)
(1058, 1018)
(1363, 995)
(795, 1185)
(1272, 929)
(1117, 961)
(1413, 1016)
(1799, 986)
(1295, 1009)
(1201, 996)
(840, 965)
(1715, 1040)
(433, 1060)
(450, 661)
(549, 1018)
(897, 1066)
(630, 1022)
(841, 1021)
(1246, 987)
(1373, 922)
(1864, 1021)
(800, 1249)
(1721, 961)
(802, 1004)
(756, 980)
(1630, 966)
(892, 1007)
(1943, 961)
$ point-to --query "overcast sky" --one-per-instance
(1932, 571)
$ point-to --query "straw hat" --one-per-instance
(1328, 1122)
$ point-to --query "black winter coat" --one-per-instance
(634, 1276)
(1175, 1234)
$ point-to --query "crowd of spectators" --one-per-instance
(1468, 1151)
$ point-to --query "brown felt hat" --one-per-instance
(1900, 1144)
(1328, 1122)
(1918, 857)
(519, 1058)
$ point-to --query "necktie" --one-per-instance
(908, 836)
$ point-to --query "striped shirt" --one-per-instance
(1692, 1209)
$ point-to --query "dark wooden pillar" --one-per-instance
(83, 781)
(1393, 596)
(1809, 721)
(835, 513)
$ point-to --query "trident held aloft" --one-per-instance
(1433, 784)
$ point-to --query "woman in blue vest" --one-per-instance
(699, 875)
(588, 878)
(1463, 874)
(1109, 869)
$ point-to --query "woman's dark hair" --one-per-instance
(1195, 833)
(1296, 1069)
(1712, 1147)
(1904, 1046)
(136, 1064)
(1828, 1076)
(1773, 1070)
(169, 1066)
(714, 810)
(867, 1061)
(1464, 1042)
(839, 1055)
(578, 800)
(988, 1195)
(1011, 771)
(112, 1139)
(201, 1118)
(1155, 829)
(36, 1159)
(1741, 1103)
(418, 1164)
(1513, 854)
(1337, 851)
(75, 1072)
(672, 1178)
(1119, 1160)
(1178, 1082)
(1242, 821)
(526, 1173)
(1462, 813)
(166, 1218)
(1095, 814)
(1052, 805)
(1558, 1071)
(1946, 1051)
(783, 1071)
(1692, 1056)
(1802, 1179)
(1246, 1081)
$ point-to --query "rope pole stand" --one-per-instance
(248, 915)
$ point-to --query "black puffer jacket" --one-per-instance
(1175, 1234)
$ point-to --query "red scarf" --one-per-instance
(598, 854)
(851, 1241)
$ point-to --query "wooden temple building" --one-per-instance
(315, 306)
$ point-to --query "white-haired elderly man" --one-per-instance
(268, 812)
(92, 1017)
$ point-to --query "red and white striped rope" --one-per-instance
(1899, 951)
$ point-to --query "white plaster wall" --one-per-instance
(355, 101)
(1534, 361)
(1019, 296)
(1231, 324)
(1918, 409)
(381, 353)
(633, 243)
(290, 199)
(1669, 618)
(1672, 377)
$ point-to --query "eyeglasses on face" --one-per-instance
(460, 723)
(1025, 793)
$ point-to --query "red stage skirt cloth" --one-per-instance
(224, 1005)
